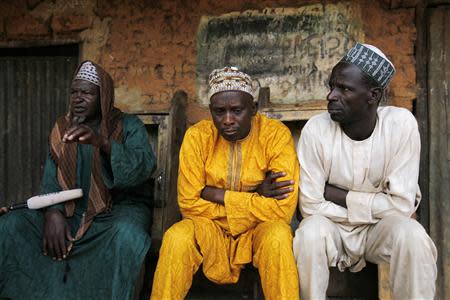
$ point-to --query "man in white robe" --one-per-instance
(359, 184)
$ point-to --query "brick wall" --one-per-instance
(149, 47)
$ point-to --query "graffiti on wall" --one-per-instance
(290, 50)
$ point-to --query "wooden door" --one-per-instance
(34, 91)
(439, 138)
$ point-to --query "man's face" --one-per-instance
(349, 99)
(84, 100)
(232, 113)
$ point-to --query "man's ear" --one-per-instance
(254, 107)
(375, 95)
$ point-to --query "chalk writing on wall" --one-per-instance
(290, 50)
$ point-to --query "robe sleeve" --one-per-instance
(49, 183)
(400, 185)
(131, 162)
(313, 177)
(245, 210)
(192, 178)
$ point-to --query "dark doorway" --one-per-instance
(34, 91)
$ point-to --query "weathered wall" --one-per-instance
(290, 50)
(149, 47)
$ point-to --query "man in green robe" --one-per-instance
(93, 247)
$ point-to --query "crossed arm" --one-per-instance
(274, 200)
(396, 194)
(268, 188)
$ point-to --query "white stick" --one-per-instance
(41, 201)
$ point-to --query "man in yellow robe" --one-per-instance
(237, 192)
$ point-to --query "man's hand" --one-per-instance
(3, 210)
(213, 194)
(86, 135)
(335, 195)
(275, 189)
(56, 231)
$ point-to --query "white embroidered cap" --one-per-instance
(229, 79)
(88, 72)
(371, 61)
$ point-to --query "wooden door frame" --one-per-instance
(422, 115)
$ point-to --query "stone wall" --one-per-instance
(150, 47)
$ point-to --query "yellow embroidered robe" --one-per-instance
(225, 234)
